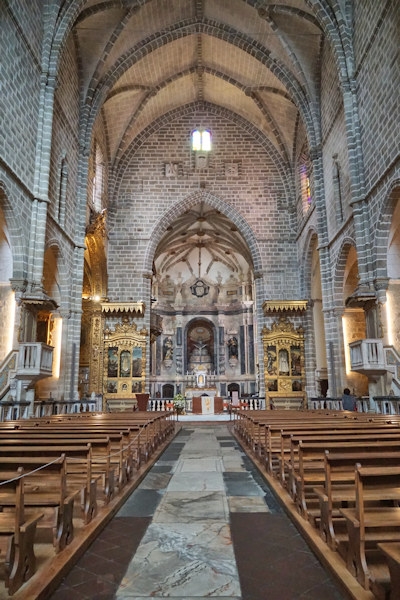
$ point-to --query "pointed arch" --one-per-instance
(169, 217)
(16, 237)
(383, 230)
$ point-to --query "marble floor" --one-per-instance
(203, 523)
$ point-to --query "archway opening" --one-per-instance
(203, 294)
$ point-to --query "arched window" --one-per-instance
(201, 140)
(305, 171)
(97, 182)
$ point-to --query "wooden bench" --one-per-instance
(17, 531)
(307, 469)
(110, 458)
(374, 519)
(46, 487)
(392, 552)
(138, 436)
(133, 437)
(291, 439)
(278, 436)
(338, 490)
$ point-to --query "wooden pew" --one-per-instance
(308, 470)
(46, 488)
(374, 519)
(392, 552)
(110, 461)
(17, 531)
(338, 490)
(133, 437)
(291, 439)
(137, 436)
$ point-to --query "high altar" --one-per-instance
(202, 393)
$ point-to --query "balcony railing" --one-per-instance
(35, 360)
(367, 357)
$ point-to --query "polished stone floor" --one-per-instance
(203, 523)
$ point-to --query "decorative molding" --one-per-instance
(231, 169)
(137, 308)
(273, 306)
(199, 288)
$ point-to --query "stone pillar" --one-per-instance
(357, 185)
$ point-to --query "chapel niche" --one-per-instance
(200, 348)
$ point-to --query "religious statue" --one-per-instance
(283, 362)
(233, 347)
(168, 348)
(200, 358)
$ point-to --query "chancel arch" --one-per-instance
(203, 292)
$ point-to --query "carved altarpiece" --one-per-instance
(284, 364)
(124, 361)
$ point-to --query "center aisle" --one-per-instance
(203, 523)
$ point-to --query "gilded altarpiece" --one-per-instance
(96, 355)
(284, 364)
(124, 361)
(91, 350)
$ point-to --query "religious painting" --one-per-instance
(136, 387)
(295, 355)
(125, 364)
(111, 387)
(297, 385)
(272, 385)
(137, 361)
(112, 365)
(271, 360)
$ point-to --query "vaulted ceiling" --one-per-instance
(142, 59)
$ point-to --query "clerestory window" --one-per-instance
(201, 140)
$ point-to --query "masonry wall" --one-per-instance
(19, 99)
(376, 44)
(145, 194)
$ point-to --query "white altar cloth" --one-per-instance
(207, 405)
